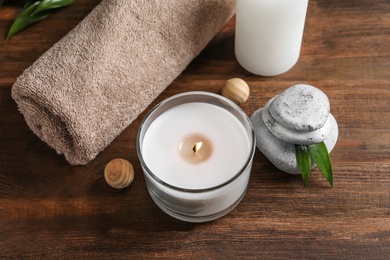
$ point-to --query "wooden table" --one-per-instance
(49, 209)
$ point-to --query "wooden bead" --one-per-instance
(119, 173)
(237, 90)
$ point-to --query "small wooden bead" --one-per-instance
(237, 90)
(119, 173)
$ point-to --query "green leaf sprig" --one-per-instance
(34, 11)
(319, 153)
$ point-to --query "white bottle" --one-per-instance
(269, 34)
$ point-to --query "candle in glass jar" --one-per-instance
(196, 155)
(168, 147)
(269, 34)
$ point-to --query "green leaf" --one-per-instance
(321, 157)
(28, 3)
(1, 2)
(25, 18)
(304, 161)
(51, 4)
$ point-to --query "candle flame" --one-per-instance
(197, 146)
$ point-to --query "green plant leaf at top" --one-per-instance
(28, 3)
(51, 4)
(321, 157)
(25, 18)
(1, 2)
(304, 161)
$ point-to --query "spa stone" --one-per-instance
(274, 135)
(301, 107)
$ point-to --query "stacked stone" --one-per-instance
(300, 115)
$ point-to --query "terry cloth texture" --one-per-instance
(87, 88)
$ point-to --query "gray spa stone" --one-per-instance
(301, 107)
(281, 152)
(294, 136)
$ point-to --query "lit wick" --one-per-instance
(197, 146)
(195, 149)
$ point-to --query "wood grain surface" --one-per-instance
(49, 209)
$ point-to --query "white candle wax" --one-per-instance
(228, 138)
(197, 190)
(269, 34)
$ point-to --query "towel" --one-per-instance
(88, 87)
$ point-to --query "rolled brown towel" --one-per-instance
(86, 89)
